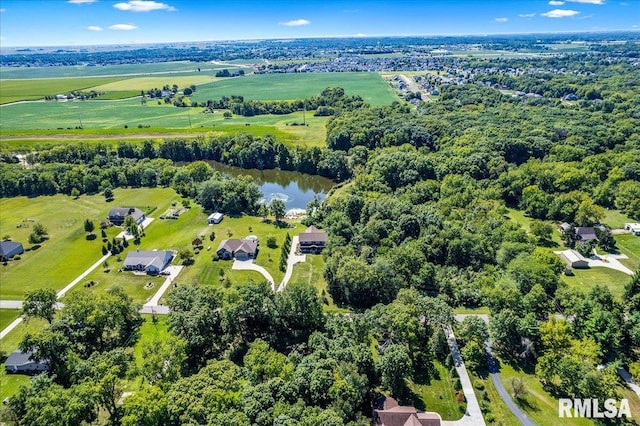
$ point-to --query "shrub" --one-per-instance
(271, 242)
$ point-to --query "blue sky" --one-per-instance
(88, 22)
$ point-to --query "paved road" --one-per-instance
(292, 259)
(248, 265)
(473, 415)
(629, 380)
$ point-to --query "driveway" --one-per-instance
(248, 265)
(611, 261)
(629, 380)
(173, 273)
(473, 415)
(292, 259)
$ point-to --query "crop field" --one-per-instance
(156, 81)
(370, 86)
(107, 70)
(34, 89)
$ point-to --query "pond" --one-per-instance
(295, 189)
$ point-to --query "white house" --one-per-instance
(574, 259)
(214, 218)
(633, 227)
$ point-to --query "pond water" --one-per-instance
(295, 189)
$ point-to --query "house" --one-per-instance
(118, 215)
(214, 218)
(586, 233)
(151, 262)
(237, 249)
(564, 227)
(8, 249)
(312, 240)
(574, 259)
(22, 363)
(633, 227)
(393, 414)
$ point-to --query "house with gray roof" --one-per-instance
(151, 262)
(118, 215)
(24, 363)
(586, 233)
(240, 249)
(8, 249)
(312, 240)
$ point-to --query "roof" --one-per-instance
(215, 216)
(312, 234)
(236, 245)
(136, 213)
(564, 226)
(586, 233)
(573, 256)
(18, 358)
(8, 246)
(159, 259)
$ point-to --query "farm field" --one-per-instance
(370, 86)
(35, 89)
(67, 253)
(156, 81)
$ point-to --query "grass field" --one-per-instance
(586, 279)
(311, 273)
(10, 383)
(67, 253)
(153, 82)
(439, 395)
(21, 90)
(370, 86)
(491, 402)
(7, 316)
(616, 219)
(629, 245)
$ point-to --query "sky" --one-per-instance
(95, 22)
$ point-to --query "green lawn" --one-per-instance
(491, 402)
(7, 316)
(10, 383)
(463, 310)
(630, 245)
(311, 272)
(586, 279)
(150, 332)
(519, 217)
(10, 342)
(67, 253)
(539, 405)
(615, 219)
(370, 86)
(439, 395)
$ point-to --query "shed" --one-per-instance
(214, 218)
(574, 259)
(8, 249)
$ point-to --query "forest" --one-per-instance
(419, 228)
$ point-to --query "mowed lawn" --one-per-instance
(7, 316)
(33, 89)
(67, 253)
(439, 395)
(370, 86)
(630, 245)
(587, 279)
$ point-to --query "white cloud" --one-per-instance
(556, 3)
(295, 23)
(94, 28)
(560, 13)
(527, 15)
(143, 6)
(588, 1)
(361, 35)
(502, 19)
(3, 10)
(123, 27)
(81, 1)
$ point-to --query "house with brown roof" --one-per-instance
(393, 414)
(312, 240)
(238, 249)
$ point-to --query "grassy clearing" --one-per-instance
(10, 383)
(67, 253)
(150, 332)
(630, 245)
(10, 342)
(615, 219)
(491, 402)
(471, 311)
(311, 272)
(156, 82)
(587, 279)
(370, 86)
(439, 395)
(519, 217)
(7, 316)
(21, 90)
(539, 405)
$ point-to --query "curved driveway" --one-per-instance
(248, 265)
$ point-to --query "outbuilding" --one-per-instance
(8, 249)
(574, 259)
(214, 218)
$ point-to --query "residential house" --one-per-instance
(118, 215)
(393, 414)
(586, 233)
(574, 259)
(151, 262)
(312, 240)
(8, 249)
(633, 227)
(214, 218)
(22, 363)
(240, 249)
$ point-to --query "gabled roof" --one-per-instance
(19, 358)
(159, 259)
(237, 245)
(573, 256)
(7, 247)
(312, 234)
(586, 233)
(136, 213)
